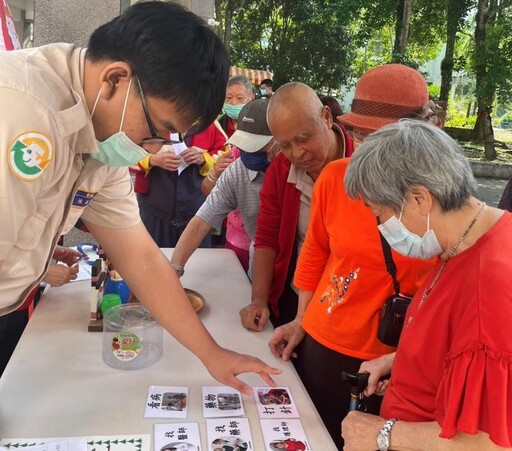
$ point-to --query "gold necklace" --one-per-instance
(452, 253)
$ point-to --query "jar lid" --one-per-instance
(134, 316)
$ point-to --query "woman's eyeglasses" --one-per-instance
(357, 137)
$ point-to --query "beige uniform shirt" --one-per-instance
(47, 177)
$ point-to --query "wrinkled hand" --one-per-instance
(193, 155)
(224, 365)
(255, 315)
(285, 339)
(59, 275)
(167, 160)
(359, 430)
(66, 255)
(377, 368)
(222, 163)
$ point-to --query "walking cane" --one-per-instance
(358, 382)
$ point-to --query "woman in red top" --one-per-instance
(451, 379)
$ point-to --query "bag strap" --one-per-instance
(390, 264)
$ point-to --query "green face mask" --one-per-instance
(118, 150)
(233, 110)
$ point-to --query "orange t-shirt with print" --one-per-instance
(342, 262)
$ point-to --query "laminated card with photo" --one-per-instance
(166, 402)
(284, 434)
(222, 402)
(229, 434)
(275, 402)
(177, 437)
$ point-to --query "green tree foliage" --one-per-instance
(300, 40)
(375, 25)
(329, 43)
(499, 57)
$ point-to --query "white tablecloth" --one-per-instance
(57, 385)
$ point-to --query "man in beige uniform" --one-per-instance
(72, 120)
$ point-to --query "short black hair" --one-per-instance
(175, 54)
(333, 105)
(267, 82)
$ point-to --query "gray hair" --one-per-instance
(241, 80)
(410, 153)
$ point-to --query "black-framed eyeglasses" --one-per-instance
(154, 138)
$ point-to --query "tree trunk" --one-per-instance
(406, 25)
(218, 15)
(468, 110)
(398, 26)
(403, 24)
(485, 133)
(454, 13)
(483, 127)
(447, 69)
(228, 21)
(475, 108)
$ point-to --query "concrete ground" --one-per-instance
(76, 236)
(489, 190)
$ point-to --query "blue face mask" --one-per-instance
(233, 111)
(256, 161)
(407, 243)
(263, 92)
(118, 150)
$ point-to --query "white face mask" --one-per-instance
(118, 150)
(407, 243)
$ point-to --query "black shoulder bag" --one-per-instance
(393, 311)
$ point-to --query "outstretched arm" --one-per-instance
(255, 315)
(150, 276)
(286, 337)
(189, 241)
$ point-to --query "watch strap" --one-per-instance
(178, 268)
(385, 433)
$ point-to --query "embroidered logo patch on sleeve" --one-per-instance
(29, 155)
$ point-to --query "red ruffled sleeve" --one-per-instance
(475, 394)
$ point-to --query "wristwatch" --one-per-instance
(384, 435)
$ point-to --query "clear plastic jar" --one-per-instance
(132, 339)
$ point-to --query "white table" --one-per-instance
(57, 385)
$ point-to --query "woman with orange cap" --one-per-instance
(341, 272)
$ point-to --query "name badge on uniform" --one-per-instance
(82, 198)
